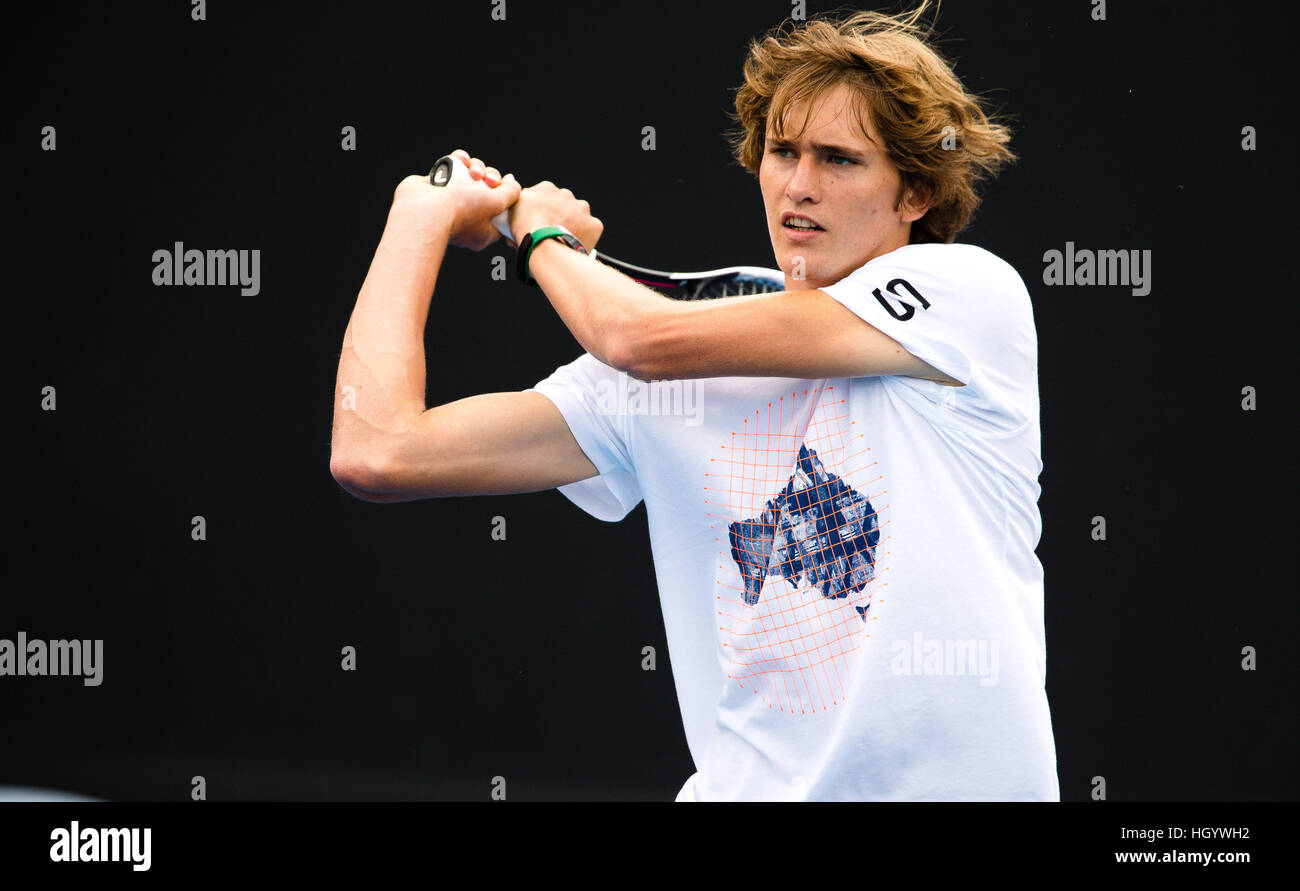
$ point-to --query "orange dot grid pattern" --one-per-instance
(793, 647)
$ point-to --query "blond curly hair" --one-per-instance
(936, 133)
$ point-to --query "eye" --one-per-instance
(846, 161)
(778, 149)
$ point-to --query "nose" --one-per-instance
(803, 182)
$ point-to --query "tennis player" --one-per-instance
(844, 534)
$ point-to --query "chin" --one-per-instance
(814, 270)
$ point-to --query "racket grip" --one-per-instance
(448, 169)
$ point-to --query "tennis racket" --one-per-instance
(730, 281)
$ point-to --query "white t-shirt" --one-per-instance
(846, 566)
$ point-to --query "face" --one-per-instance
(839, 180)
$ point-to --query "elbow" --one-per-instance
(364, 476)
(625, 348)
(618, 356)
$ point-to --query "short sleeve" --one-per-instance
(963, 311)
(586, 393)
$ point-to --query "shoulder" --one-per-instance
(964, 278)
(978, 307)
(966, 261)
(979, 277)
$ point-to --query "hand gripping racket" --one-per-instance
(730, 281)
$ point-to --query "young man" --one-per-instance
(844, 540)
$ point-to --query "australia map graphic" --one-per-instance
(817, 532)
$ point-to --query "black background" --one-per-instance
(481, 658)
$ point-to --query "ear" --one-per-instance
(916, 201)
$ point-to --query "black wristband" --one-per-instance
(521, 259)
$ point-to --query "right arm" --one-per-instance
(491, 444)
(385, 445)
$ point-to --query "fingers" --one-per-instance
(477, 169)
(492, 176)
(590, 225)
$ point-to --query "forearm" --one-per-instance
(600, 306)
(381, 373)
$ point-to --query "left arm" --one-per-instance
(794, 334)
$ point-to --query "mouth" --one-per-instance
(797, 223)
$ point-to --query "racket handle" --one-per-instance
(448, 169)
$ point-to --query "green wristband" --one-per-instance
(536, 237)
